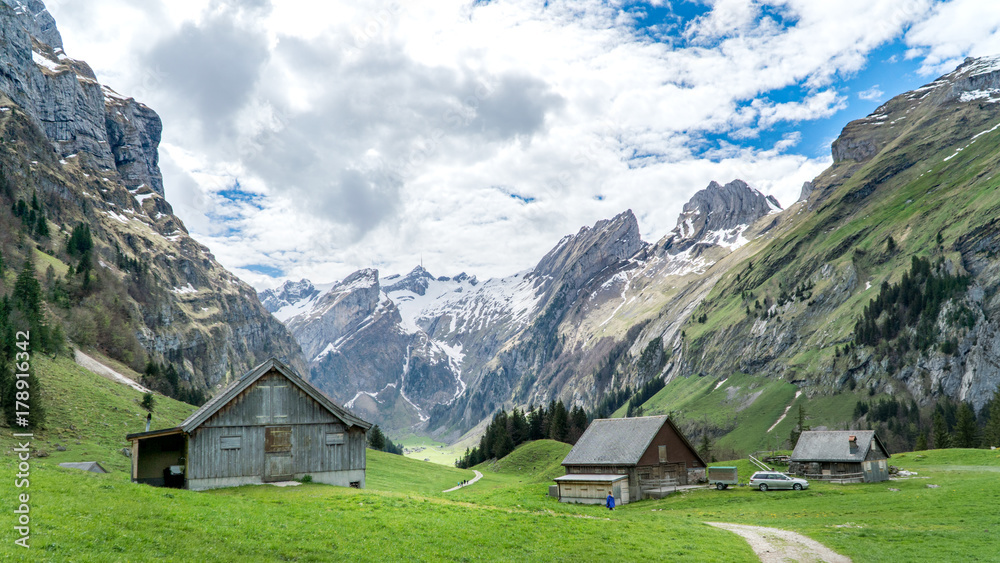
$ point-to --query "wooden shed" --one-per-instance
(650, 451)
(269, 425)
(842, 455)
(592, 489)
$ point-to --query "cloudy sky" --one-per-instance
(310, 138)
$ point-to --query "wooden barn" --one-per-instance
(269, 425)
(841, 455)
(649, 451)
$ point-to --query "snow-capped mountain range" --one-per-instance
(445, 352)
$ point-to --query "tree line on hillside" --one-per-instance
(377, 440)
(24, 334)
(67, 296)
(950, 424)
(507, 431)
(912, 303)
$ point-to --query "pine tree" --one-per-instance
(559, 423)
(705, 449)
(535, 428)
(965, 428)
(921, 442)
(942, 439)
(800, 427)
(991, 433)
(28, 293)
(578, 423)
(518, 427)
(376, 439)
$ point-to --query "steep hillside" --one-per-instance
(887, 282)
(81, 196)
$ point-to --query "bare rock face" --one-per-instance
(339, 311)
(134, 134)
(416, 281)
(807, 190)
(78, 115)
(37, 20)
(718, 215)
(577, 258)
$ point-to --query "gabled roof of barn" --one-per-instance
(835, 446)
(619, 441)
(238, 386)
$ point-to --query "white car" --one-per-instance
(765, 480)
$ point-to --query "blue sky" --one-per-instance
(476, 134)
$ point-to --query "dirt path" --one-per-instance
(473, 480)
(97, 367)
(778, 546)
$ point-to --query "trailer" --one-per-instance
(722, 477)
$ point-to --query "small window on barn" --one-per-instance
(230, 442)
(334, 438)
(663, 454)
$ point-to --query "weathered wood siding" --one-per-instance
(272, 401)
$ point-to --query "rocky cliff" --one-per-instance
(61, 96)
(88, 156)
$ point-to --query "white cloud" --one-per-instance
(374, 133)
(953, 31)
(872, 94)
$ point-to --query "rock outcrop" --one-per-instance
(106, 131)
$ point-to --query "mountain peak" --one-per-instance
(416, 281)
(287, 293)
(578, 257)
(721, 209)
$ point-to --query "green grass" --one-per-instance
(389, 472)
(85, 517)
(90, 415)
(424, 448)
(43, 261)
(405, 515)
(696, 400)
(869, 522)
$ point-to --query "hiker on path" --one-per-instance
(611, 501)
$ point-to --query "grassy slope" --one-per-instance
(90, 415)
(402, 516)
(931, 196)
(506, 516)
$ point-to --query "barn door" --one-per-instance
(278, 453)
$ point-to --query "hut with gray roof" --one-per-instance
(841, 455)
(269, 425)
(632, 457)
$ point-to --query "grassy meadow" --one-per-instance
(506, 516)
